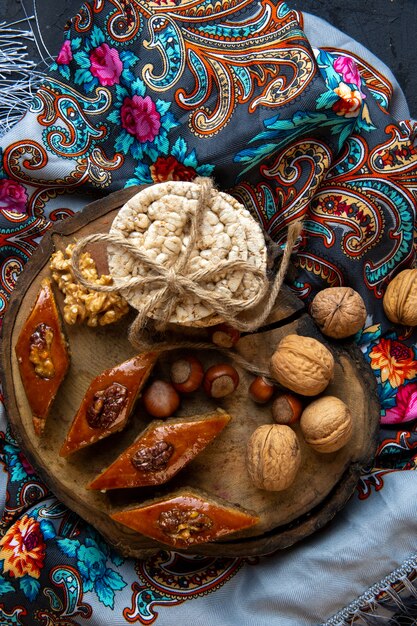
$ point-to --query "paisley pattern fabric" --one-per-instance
(144, 92)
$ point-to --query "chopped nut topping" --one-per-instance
(81, 304)
(106, 406)
(182, 524)
(153, 458)
(40, 351)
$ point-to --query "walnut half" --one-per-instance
(40, 351)
(181, 524)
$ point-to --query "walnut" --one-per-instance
(326, 424)
(302, 364)
(153, 458)
(179, 523)
(400, 299)
(81, 304)
(338, 311)
(274, 457)
(40, 355)
(106, 406)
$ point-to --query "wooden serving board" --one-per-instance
(325, 481)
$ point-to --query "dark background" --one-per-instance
(387, 27)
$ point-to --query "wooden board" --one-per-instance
(322, 487)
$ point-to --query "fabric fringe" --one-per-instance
(18, 74)
(371, 609)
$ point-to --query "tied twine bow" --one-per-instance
(171, 285)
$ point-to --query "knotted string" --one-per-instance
(172, 285)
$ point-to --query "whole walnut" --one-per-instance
(338, 311)
(274, 457)
(326, 424)
(400, 299)
(302, 364)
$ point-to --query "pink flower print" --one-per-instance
(406, 406)
(13, 196)
(106, 65)
(65, 54)
(348, 69)
(140, 118)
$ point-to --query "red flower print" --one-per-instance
(106, 65)
(405, 409)
(13, 196)
(168, 168)
(140, 118)
(23, 549)
(349, 103)
(65, 54)
(395, 362)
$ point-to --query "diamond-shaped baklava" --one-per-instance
(42, 355)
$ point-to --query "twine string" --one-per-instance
(169, 286)
(148, 345)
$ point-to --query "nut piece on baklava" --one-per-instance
(186, 518)
(161, 451)
(42, 355)
(108, 402)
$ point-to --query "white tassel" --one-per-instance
(18, 75)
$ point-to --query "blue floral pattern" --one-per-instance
(92, 557)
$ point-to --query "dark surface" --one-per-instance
(387, 27)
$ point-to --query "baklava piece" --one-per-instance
(161, 451)
(42, 355)
(186, 518)
(108, 403)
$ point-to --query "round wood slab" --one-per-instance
(324, 483)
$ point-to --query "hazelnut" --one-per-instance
(274, 456)
(220, 380)
(261, 390)
(224, 336)
(161, 399)
(326, 424)
(187, 374)
(287, 409)
(303, 365)
(338, 311)
(400, 299)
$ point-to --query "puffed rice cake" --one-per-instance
(156, 220)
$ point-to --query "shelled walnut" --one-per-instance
(327, 424)
(81, 304)
(274, 457)
(339, 312)
(302, 364)
(400, 299)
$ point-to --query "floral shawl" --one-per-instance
(143, 92)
